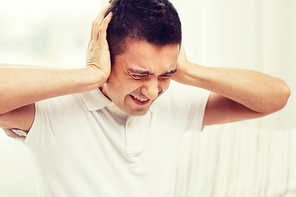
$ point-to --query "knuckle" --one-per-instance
(94, 24)
(101, 30)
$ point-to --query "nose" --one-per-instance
(151, 88)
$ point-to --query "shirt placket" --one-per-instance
(136, 131)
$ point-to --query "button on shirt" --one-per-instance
(83, 145)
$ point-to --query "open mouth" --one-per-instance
(140, 100)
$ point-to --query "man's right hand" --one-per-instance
(21, 86)
(98, 54)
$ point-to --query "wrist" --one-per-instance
(184, 72)
(91, 78)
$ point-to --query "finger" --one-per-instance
(103, 28)
(97, 23)
(95, 26)
(183, 53)
(102, 35)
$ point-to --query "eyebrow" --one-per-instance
(141, 72)
(169, 73)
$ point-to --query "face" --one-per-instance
(140, 75)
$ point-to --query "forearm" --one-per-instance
(23, 85)
(257, 91)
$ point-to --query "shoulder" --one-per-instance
(60, 109)
(61, 103)
(54, 116)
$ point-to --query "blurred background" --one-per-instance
(253, 34)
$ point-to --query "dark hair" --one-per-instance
(154, 21)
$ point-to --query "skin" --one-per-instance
(142, 72)
(236, 94)
(140, 76)
(22, 86)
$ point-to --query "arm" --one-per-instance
(22, 86)
(237, 94)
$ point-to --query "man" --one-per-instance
(114, 127)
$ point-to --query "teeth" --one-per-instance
(140, 99)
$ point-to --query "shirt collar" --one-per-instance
(95, 100)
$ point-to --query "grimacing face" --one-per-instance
(140, 75)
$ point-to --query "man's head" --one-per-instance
(144, 38)
(154, 21)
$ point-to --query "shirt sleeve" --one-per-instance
(50, 116)
(198, 100)
(191, 103)
(39, 125)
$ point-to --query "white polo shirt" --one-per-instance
(83, 145)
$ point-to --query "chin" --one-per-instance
(141, 112)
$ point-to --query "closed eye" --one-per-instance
(169, 74)
(140, 77)
(136, 76)
(145, 75)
